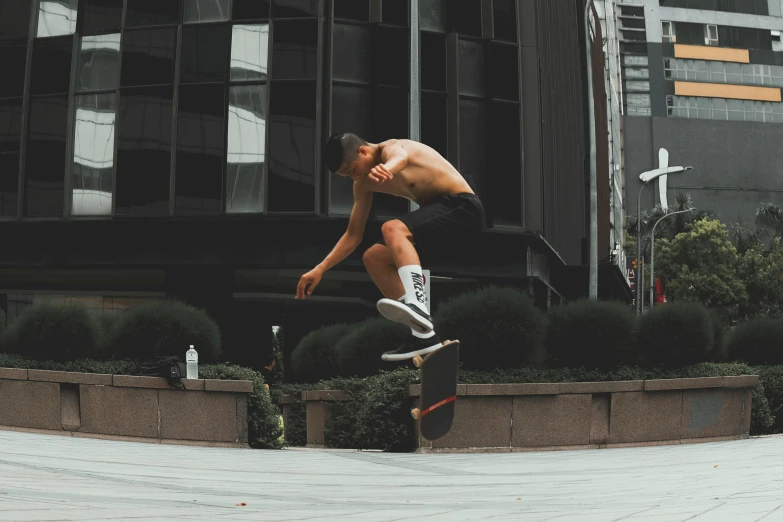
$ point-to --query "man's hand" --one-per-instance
(380, 173)
(308, 282)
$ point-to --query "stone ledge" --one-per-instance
(217, 385)
(574, 388)
(286, 399)
(326, 395)
(104, 379)
(18, 374)
(145, 440)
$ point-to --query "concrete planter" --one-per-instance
(549, 416)
(147, 409)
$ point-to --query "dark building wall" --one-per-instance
(563, 119)
(736, 165)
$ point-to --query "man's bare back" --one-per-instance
(425, 174)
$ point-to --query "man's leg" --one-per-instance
(380, 265)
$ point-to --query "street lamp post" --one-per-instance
(652, 252)
(645, 178)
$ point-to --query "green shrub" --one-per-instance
(165, 328)
(771, 378)
(315, 357)
(719, 346)
(675, 335)
(497, 328)
(55, 332)
(262, 415)
(263, 426)
(359, 352)
(595, 334)
(758, 341)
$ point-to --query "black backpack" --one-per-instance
(170, 367)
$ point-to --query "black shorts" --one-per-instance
(445, 226)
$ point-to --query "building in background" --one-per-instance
(702, 79)
(172, 149)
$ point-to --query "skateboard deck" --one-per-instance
(437, 390)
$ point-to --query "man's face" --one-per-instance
(360, 167)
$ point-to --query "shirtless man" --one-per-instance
(449, 214)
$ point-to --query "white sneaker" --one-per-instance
(413, 347)
(406, 313)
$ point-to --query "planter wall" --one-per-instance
(524, 417)
(148, 409)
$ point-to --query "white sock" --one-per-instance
(413, 282)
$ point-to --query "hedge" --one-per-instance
(359, 352)
(54, 331)
(315, 357)
(758, 341)
(497, 327)
(595, 334)
(675, 335)
(378, 416)
(165, 328)
(264, 431)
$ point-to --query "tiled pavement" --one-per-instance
(53, 478)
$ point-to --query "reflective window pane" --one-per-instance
(505, 17)
(14, 19)
(151, 12)
(294, 49)
(471, 68)
(93, 155)
(352, 52)
(199, 174)
(433, 61)
(205, 11)
(56, 17)
(434, 121)
(10, 124)
(504, 67)
(358, 10)
(249, 52)
(295, 8)
(101, 16)
(246, 157)
(472, 130)
(291, 147)
(144, 152)
(45, 158)
(204, 52)
(148, 56)
(350, 113)
(468, 18)
(504, 176)
(434, 15)
(395, 12)
(51, 72)
(13, 58)
(392, 50)
(9, 184)
(99, 60)
(250, 9)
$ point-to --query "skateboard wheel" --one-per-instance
(417, 361)
(416, 413)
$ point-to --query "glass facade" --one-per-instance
(723, 72)
(723, 109)
(138, 108)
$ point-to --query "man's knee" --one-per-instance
(374, 255)
(395, 228)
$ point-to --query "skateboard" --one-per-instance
(437, 390)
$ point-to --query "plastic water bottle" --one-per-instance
(191, 358)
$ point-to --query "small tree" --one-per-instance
(701, 265)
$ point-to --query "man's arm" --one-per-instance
(362, 202)
(394, 157)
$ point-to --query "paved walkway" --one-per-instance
(53, 478)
